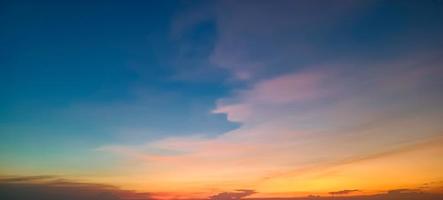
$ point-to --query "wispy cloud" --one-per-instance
(322, 113)
(301, 111)
(253, 38)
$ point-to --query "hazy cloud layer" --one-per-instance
(54, 188)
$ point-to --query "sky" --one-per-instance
(221, 99)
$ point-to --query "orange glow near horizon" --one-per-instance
(409, 167)
(221, 100)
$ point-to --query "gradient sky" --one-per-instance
(193, 98)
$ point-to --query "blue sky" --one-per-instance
(62, 55)
(78, 75)
(82, 80)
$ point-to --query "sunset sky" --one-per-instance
(190, 99)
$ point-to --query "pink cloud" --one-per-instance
(289, 88)
(286, 127)
(277, 92)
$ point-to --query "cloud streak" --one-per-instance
(286, 115)
(343, 192)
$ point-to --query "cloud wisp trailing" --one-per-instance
(297, 121)
(300, 110)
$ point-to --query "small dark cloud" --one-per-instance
(232, 195)
(432, 184)
(53, 188)
(24, 178)
(397, 194)
(384, 196)
(403, 191)
(341, 192)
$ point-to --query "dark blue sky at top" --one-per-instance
(99, 72)
(113, 60)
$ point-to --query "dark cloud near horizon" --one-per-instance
(343, 192)
(56, 188)
(24, 178)
(397, 194)
(232, 195)
(52, 188)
